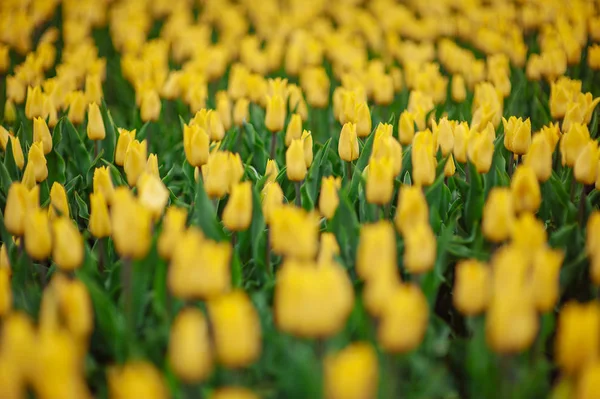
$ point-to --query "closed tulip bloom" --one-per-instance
(102, 182)
(75, 306)
(348, 143)
(412, 208)
(237, 214)
(4, 137)
(93, 88)
(77, 105)
(150, 106)
(16, 209)
(271, 170)
(517, 135)
(423, 165)
(294, 160)
(236, 169)
(352, 373)
(233, 393)
(376, 249)
(498, 215)
(328, 197)
(136, 379)
(36, 158)
(461, 142)
(294, 232)
(450, 167)
(68, 249)
(240, 111)
(480, 151)
(406, 128)
(99, 224)
(445, 136)
(152, 165)
(95, 125)
(294, 129)
(125, 138)
(34, 103)
(573, 142)
(10, 111)
(17, 151)
(328, 248)
(173, 228)
(380, 286)
(386, 146)
(41, 133)
(575, 115)
(152, 194)
(420, 249)
(552, 134)
(363, 119)
(135, 161)
(586, 165)
(216, 128)
(223, 108)
(380, 181)
(576, 342)
(6, 297)
(29, 176)
(545, 283)
(189, 353)
(217, 178)
(271, 199)
(38, 238)
(472, 286)
(307, 143)
(404, 320)
(525, 190)
(458, 89)
(4, 261)
(275, 113)
(131, 225)
(539, 157)
(528, 234)
(231, 314)
(59, 204)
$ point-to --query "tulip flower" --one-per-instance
(41, 133)
(517, 135)
(380, 181)
(406, 128)
(420, 249)
(348, 143)
(275, 114)
(472, 286)
(480, 151)
(150, 106)
(10, 111)
(68, 249)
(135, 161)
(586, 165)
(59, 204)
(223, 108)
(173, 228)
(458, 89)
(295, 162)
(271, 170)
(539, 157)
(545, 281)
(75, 306)
(240, 111)
(525, 190)
(573, 142)
(152, 194)
(125, 138)
(498, 215)
(376, 248)
(328, 198)
(36, 158)
(77, 105)
(271, 199)
(363, 119)
(294, 129)
(328, 248)
(16, 209)
(99, 224)
(528, 234)
(38, 238)
(576, 342)
(233, 393)
(95, 125)
(131, 225)
(450, 167)
(217, 178)
(102, 182)
(307, 144)
(6, 296)
(294, 232)
(237, 214)
(341, 380)
(34, 103)
(136, 379)
(423, 165)
(445, 136)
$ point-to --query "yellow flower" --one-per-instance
(271, 170)
(386, 146)
(36, 158)
(102, 183)
(152, 165)
(17, 152)
(131, 225)
(237, 214)
(4, 261)
(575, 115)
(75, 306)
(348, 143)
(294, 160)
(93, 88)
(380, 286)
(233, 393)
(525, 190)
(528, 234)
(240, 111)
(294, 129)
(16, 209)
(445, 136)
(458, 90)
(517, 135)
(95, 125)
(217, 180)
(135, 161)
(271, 199)
(352, 373)
(294, 232)
(152, 194)
(4, 137)
(125, 138)
(190, 353)
(587, 383)
(15, 89)
(99, 224)
(450, 167)
(68, 251)
(404, 320)
(380, 181)
(573, 142)
(136, 379)
(38, 238)
(216, 128)
(275, 113)
(223, 108)
(539, 157)
(498, 215)
(328, 248)
(461, 142)
(412, 208)
(363, 119)
(59, 205)
(173, 228)
(307, 144)
(406, 128)
(41, 134)
(231, 313)
(586, 165)
(6, 297)
(576, 342)
(376, 249)
(150, 106)
(472, 284)
(35, 102)
(77, 105)
(328, 198)
(420, 249)
(423, 164)
(480, 151)
(545, 284)
(29, 176)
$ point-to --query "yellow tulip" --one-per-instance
(406, 128)
(6, 296)
(102, 183)
(38, 238)
(16, 209)
(511, 322)
(99, 224)
(217, 180)
(328, 198)
(36, 158)
(586, 165)
(240, 111)
(545, 284)
(348, 143)
(498, 215)
(525, 190)
(125, 138)
(95, 125)
(380, 181)
(376, 249)
(41, 133)
(131, 225)
(271, 170)
(135, 161)
(294, 129)
(150, 106)
(539, 157)
(294, 232)
(59, 204)
(573, 142)
(352, 373)
(34, 103)
(173, 228)
(136, 379)
(275, 113)
(271, 199)
(576, 342)
(237, 214)
(152, 194)
(68, 251)
(363, 119)
(420, 249)
(472, 286)
(307, 144)
(295, 162)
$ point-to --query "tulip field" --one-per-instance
(337, 199)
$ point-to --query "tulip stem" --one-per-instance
(273, 144)
(96, 148)
(582, 199)
(101, 259)
(297, 185)
(268, 254)
(349, 171)
(573, 184)
(510, 164)
(127, 287)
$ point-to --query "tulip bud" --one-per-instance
(4, 261)
(575, 115)
(498, 215)
(511, 322)
(545, 284)
(16, 209)
(445, 136)
(135, 161)
(341, 379)
(420, 249)
(233, 393)
(573, 142)
(29, 176)
(272, 198)
(150, 106)
(376, 248)
(328, 198)
(59, 205)
(41, 134)
(383, 90)
(68, 251)
(363, 119)
(348, 144)
(77, 104)
(480, 151)
(152, 165)
(458, 90)
(539, 157)
(586, 165)
(131, 225)
(34, 103)
(380, 181)
(38, 161)
(237, 214)
(525, 190)
(216, 128)
(295, 162)
(4, 137)
(328, 249)
(217, 178)
(125, 138)
(450, 167)
(294, 232)
(423, 165)
(271, 170)
(404, 320)
(173, 228)
(102, 183)
(406, 128)
(552, 134)
(412, 208)
(99, 224)
(95, 125)
(231, 313)
(307, 143)
(136, 379)
(190, 353)
(224, 110)
(294, 129)
(517, 135)
(38, 239)
(576, 342)
(528, 234)
(461, 142)
(10, 111)
(236, 169)
(17, 151)
(75, 306)
(152, 194)
(6, 297)
(240, 111)
(472, 286)
(275, 114)
(93, 88)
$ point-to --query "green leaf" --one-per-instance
(315, 171)
(159, 288)
(82, 208)
(57, 134)
(346, 228)
(475, 198)
(56, 168)
(6, 179)
(204, 214)
(116, 175)
(73, 184)
(236, 270)
(110, 141)
(143, 132)
(361, 163)
(79, 153)
(10, 163)
(307, 201)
